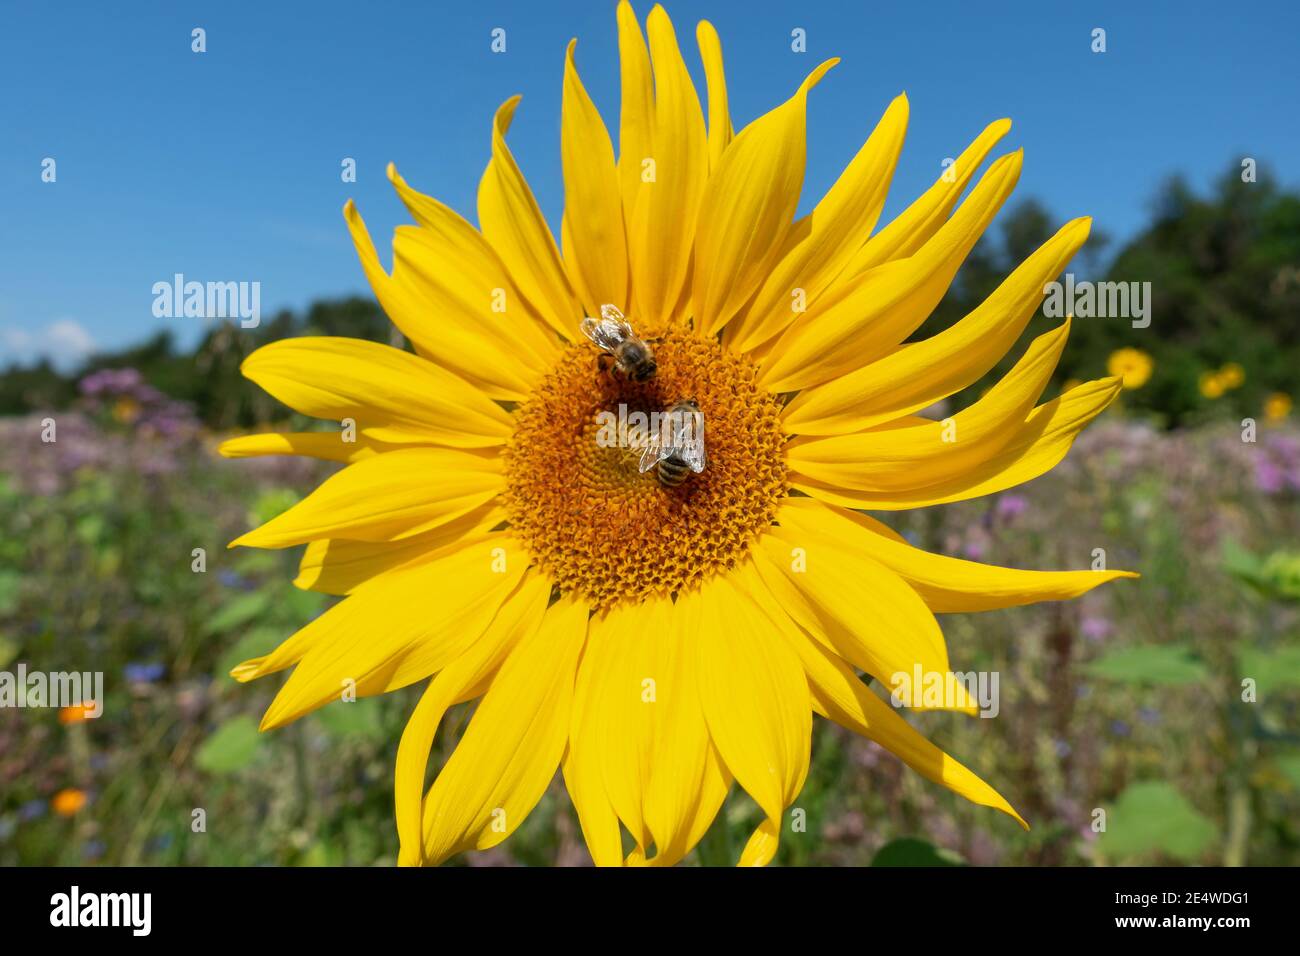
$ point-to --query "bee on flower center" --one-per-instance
(678, 449)
(621, 349)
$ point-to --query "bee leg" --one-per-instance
(604, 362)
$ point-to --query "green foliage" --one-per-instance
(1276, 575)
(1154, 818)
(910, 851)
(1281, 571)
(239, 610)
(39, 386)
(359, 718)
(232, 747)
(1166, 665)
(1272, 670)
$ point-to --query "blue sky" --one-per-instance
(225, 165)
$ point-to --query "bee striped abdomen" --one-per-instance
(672, 471)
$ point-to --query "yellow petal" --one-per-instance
(503, 353)
(513, 223)
(328, 446)
(748, 208)
(831, 236)
(919, 374)
(1036, 447)
(898, 459)
(715, 78)
(585, 781)
(513, 745)
(391, 395)
(467, 273)
(867, 316)
(838, 694)
(755, 701)
(841, 696)
(688, 780)
(664, 201)
(947, 585)
(919, 221)
(393, 630)
(618, 722)
(447, 331)
(636, 116)
(520, 617)
(595, 246)
(338, 566)
(638, 718)
(825, 585)
(386, 498)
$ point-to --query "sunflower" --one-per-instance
(1232, 375)
(1211, 384)
(1277, 406)
(1132, 366)
(658, 644)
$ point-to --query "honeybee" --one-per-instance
(619, 343)
(678, 449)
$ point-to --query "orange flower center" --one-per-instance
(600, 527)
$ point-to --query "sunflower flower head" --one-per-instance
(1132, 366)
(1212, 384)
(1232, 375)
(659, 641)
(1277, 406)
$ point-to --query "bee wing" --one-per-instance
(612, 316)
(654, 453)
(591, 329)
(604, 332)
(690, 442)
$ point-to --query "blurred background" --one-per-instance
(1170, 702)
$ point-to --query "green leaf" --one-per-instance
(909, 851)
(1154, 817)
(1276, 575)
(1281, 570)
(234, 745)
(358, 718)
(1162, 664)
(1240, 563)
(236, 612)
(1271, 670)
